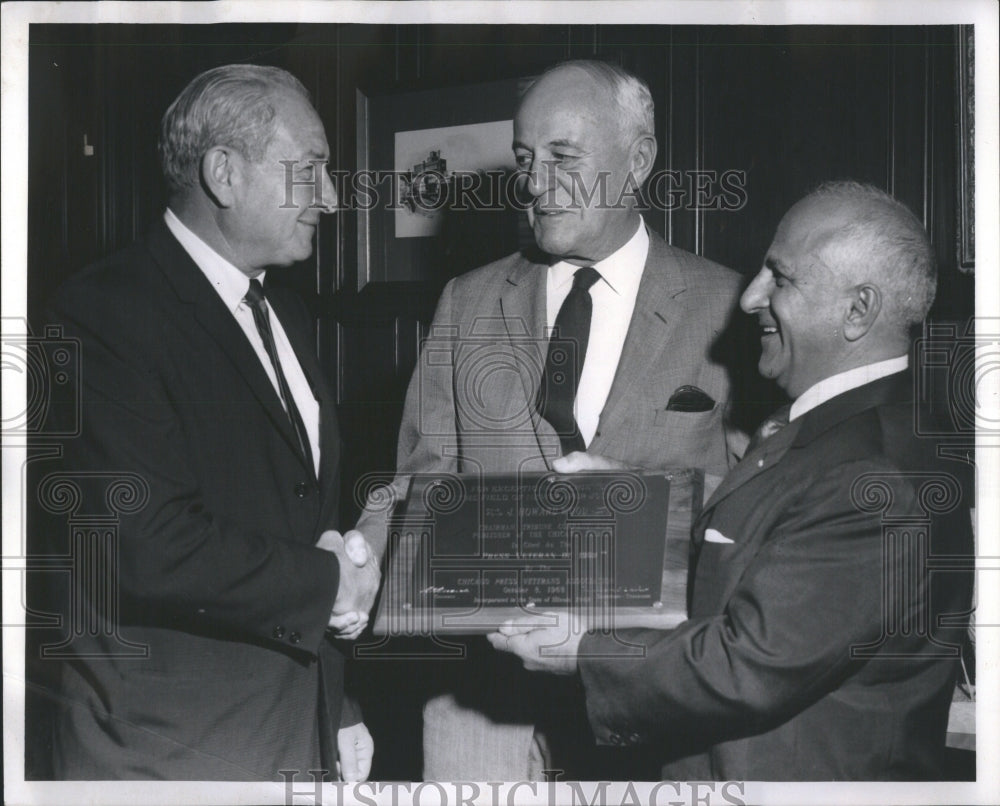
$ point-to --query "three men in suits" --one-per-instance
(200, 386)
(819, 643)
(484, 397)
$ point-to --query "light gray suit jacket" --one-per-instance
(470, 403)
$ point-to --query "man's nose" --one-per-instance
(328, 193)
(538, 178)
(758, 293)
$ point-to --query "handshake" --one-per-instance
(360, 575)
(359, 581)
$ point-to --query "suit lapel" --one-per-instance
(522, 306)
(522, 300)
(305, 352)
(194, 290)
(763, 458)
(805, 429)
(651, 331)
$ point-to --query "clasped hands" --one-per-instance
(550, 642)
(359, 580)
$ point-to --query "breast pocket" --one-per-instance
(687, 421)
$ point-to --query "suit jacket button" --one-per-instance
(294, 637)
(301, 489)
(279, 632)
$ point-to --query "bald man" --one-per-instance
(648, 389)
(814, 648)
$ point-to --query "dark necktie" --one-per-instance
(770, 426)
(255, 299)
(564, 360)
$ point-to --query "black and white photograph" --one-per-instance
(533, 402)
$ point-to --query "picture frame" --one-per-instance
(467, 122)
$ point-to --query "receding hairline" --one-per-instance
(550, 76)
(282, 104)
(239, 105)
(842, 211)
(610, 80)
(838, 214)
(868, 236)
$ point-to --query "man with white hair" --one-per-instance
(820, 645)
(201, 390)
(629, 371)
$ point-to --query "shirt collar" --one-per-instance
(845, 381)
(620, 270)
(229, 282)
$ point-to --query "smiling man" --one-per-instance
(821, 252)
(599, 340)
(814, 648)
(200, 388)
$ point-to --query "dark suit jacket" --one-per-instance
(812, 651)
(470, 404)
(218, 577)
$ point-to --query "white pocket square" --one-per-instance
(713, 536)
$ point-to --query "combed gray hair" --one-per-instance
(630, 91)
(883, 241)
(230, 106)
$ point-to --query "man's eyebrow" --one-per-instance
(563, 143)
(560, 143)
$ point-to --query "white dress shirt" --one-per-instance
(844, 381)
(613, 302)
(231, 284)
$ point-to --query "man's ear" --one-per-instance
(220, 174)
(865, 306)
(642, 156)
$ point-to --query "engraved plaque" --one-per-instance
(468, 552)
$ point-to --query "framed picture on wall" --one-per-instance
(435, 182)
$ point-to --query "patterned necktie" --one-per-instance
(771, 426)
(258, 306)
(564, 360)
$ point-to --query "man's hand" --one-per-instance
(355, 749)
(579, 460)
(359, 579)
(548, 642)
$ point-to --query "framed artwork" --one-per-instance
(435, 173)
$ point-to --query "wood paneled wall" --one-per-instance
(787, 107)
